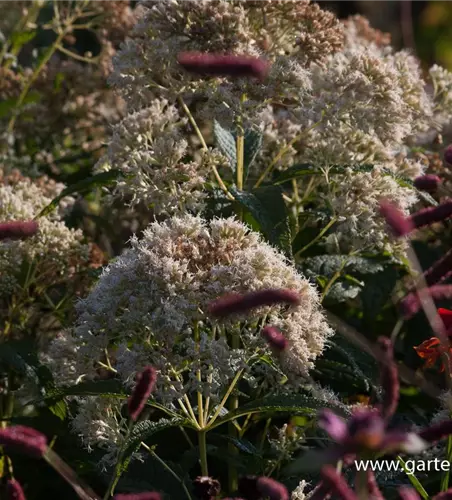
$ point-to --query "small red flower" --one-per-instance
(432, 349)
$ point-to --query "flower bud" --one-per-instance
(206, 488)
(396, 220)
(436, 432)
(427, 183)
(150, 495)
(231, 304)
(275, 338)
(431, 215)
(24, 439)
(223, 64)
(18, 230)
(337, 484)
(14, 490)
(143, 388)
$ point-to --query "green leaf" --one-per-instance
(253, 144)
(20, 38)
(143, 430)
(297, 404)
(9, 105)
(99, 180)
(267, 206)
(377, 291)
(226, 141)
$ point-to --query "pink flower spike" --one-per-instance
(275, 338)
(436, 432)
(431, 215)
(389, 379)
(143, 388)
(445, 495)
(407, 493)
(396, 220)
(14, 490)
(428, 183)
(271, 489)
(333, 425)
(232, 304)
(223, 64)
(24, 439)
(18, 230)
(150, 495)
(337, 483)
(372, 486)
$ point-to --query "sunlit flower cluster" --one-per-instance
(150, 307)
(55, 250)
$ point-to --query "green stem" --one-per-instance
(414, 480)
(204, 147)
(203, 452)
(168, 468)
(446, 474)
(232, 431)
(83, 491)
(318, 237)
(225, 398)
(45, 59)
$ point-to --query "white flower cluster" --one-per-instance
(354, 198)
(150, 307)
(288, 33)
(55, 250)
(148, 149)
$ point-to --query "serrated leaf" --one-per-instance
(253, 144)
(143, 430)
(20, 38)
(59, 409)
(342, 291)
(9, 105)
(377, 291)
(226, 143)
(98, 180)
(267, 206)
(297, 404)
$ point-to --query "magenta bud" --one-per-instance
(431, 215)
(396, 220)
(143, 388)
(337, 484)
(18, 230)
(271, 489)
(372, 486)
(223, 64)
(440, 270)
(436, 432)
(206, 488)
(150, 495)
(14, 490)
(407, 493)
(235, 303)
(445, 495)
(389, 379)
(429, 183)
(275, 338)
(24, 439)
(448, 155)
